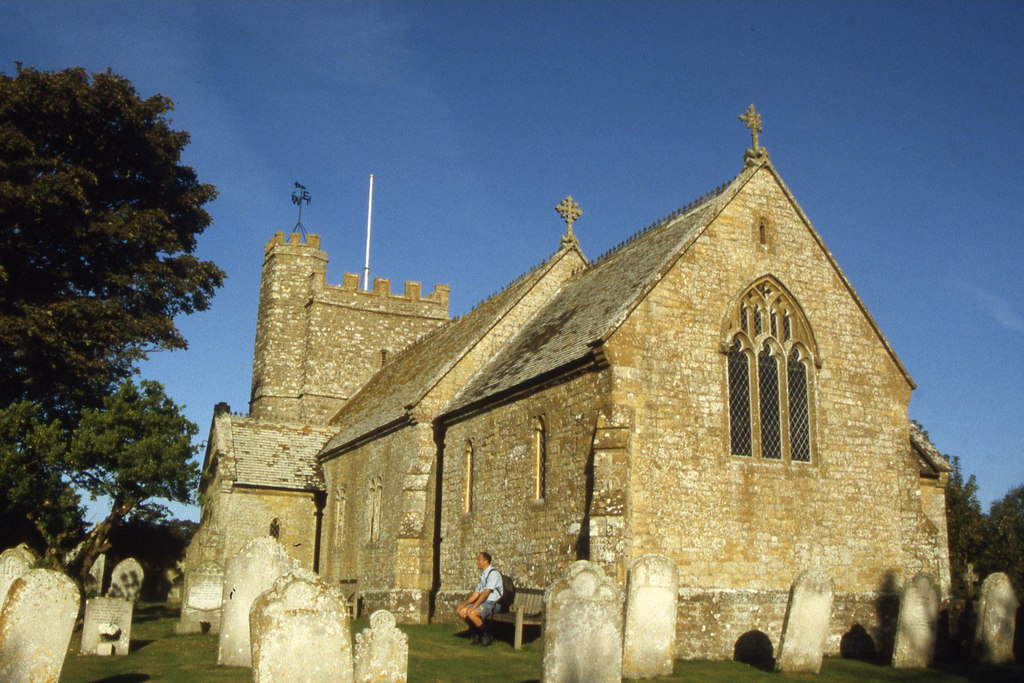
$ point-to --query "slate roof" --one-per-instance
(933, 462)
(277, 455)
(387, 397)
(593, 303)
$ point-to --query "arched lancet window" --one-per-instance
(540, 456)
(275, 528)
(799, 418)
(467, 479)
(339, 518)
(769, 374)
(376, 504)
(739, 399)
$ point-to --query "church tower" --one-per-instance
(316, 344)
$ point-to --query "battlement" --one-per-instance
(294, 240)
(382, 290)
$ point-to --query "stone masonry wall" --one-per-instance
(533, 541)
(741, 523)
(316, 344)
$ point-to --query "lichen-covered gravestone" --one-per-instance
(806, 624)
(382, 651)
(300, 632)
(94, 580)
(582, 627)
(997, 614)
(107, 628)
(649, 638)
(35, 626)
(14, 562)
(917, 624)
(248, 574)
(200, 606)
(126, 580)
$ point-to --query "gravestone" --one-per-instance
(94, 581)
(107, 628)
(917, 624)
(997, 615)
(382, 651)
(248, 574)
(126, 580)
(806, 623)
(14, 562)
(35, 626)
(649, 637)
(300, 631)
(200, 606)
(582, 627)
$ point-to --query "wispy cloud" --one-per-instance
(996, 307)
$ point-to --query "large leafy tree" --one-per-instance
(1005, 549)
(965, 525)
(98, 225)
(134, 448)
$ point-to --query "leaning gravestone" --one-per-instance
(382, 651)
(126, 580)
(107, 628)
(300, 631)
(14, 562)
(35, 626)
(917, 624)
(248, 574)
(997, 615)
(649, 637)
(582, 627)
(200, 606)
(806, 624)
(94, 580)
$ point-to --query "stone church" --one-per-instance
(713, 389)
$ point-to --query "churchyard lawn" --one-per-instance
(438, 653)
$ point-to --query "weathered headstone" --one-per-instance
(248, 574)
(175, 578)
(806, 623)
(300, 631)
(35, 626)
(649, 637)
(582, 627)
(107, 628)
(200, 607)
(917, 624)
(94, 581)
(382, 651)
(997, 615)
(126, 580)
(14, 562)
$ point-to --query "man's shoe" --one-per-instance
(486, 639)
(475, 638)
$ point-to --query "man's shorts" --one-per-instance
(488, 608)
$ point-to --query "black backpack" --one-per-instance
(508, 592)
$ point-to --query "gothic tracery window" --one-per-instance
(467, 479)
(540, 455)
(769, 369)
(376, 504)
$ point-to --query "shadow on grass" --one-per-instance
(137, 645)
(155, 612)
(124, 678)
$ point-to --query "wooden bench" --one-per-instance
(527, 608)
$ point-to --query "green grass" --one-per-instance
(440, 653)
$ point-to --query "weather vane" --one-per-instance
(297, 198)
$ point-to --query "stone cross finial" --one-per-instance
(570, 212)
(752, 119)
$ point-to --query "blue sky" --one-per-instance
(898, 127)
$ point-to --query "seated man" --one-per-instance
(482, 602)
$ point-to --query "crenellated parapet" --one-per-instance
(380, 298)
